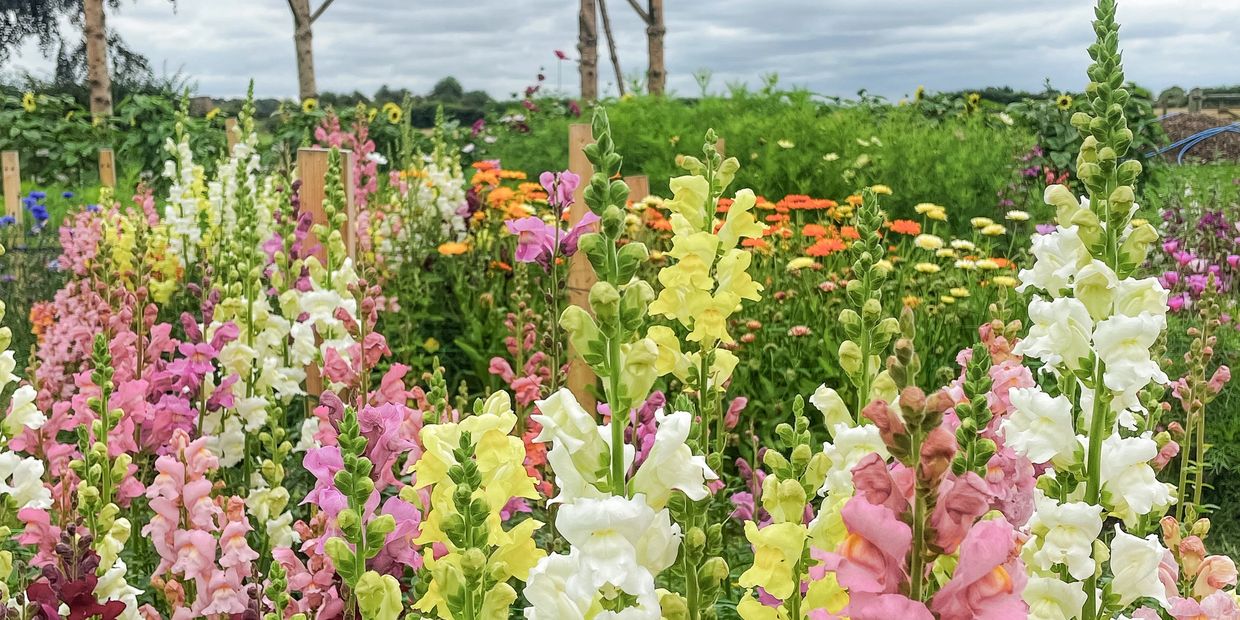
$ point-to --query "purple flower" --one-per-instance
(559, 187)
(535, 238)
(1045, 229)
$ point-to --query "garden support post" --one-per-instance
(231, 133)
(587, 48)
(107, 168)
(720, 147)
(312, 169)
(639, 187)
(12, 177)
(581, 275)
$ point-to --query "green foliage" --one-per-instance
(790, 143)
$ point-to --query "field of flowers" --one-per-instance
(478, 390)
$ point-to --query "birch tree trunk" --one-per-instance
(587, 48)
(97, 77)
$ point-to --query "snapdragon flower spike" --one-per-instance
(1093, 325)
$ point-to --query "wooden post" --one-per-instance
(1194, 100)
(107, 168)
(231, 132)
(639, 187)
(312, 168)
(581, 275)
(721, 147)
(12, 176)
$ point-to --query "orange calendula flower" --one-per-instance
(486, 164)
(485, 177)
(814, 230)
(905, 227)
(42, 315)
(758, 244)
(723, 205)
(849, 232)
(515, 175)
(500, 196)
(854, 200)
(826, 247)
(500, 265)
(453, 248)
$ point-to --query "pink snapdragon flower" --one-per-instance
(989, 578)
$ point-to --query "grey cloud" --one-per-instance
(833, 47)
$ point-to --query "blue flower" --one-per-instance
(37, 195)
(8, 220)
(92, 208)
(40, 213)
(67, 195)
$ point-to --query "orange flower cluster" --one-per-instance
(905, 227)
(42, 316)
(803, 202)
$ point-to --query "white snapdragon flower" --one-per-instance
(832, 407)
(580, 448)
(848, 447)
(1123, 344)
(1060, 332)
(1051, 598)
(22, 479)
(112, 586)
(671, 464)
(1040, 426)
(614, 536)
(1128, 479)
(1094, 285)
(1134, 297)
(1063, 534)
(551, 591)
(1134, 561)
(1058, 256)
(23, 413)
(7, 364)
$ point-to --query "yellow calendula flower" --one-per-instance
(994, 230)
(884, 265)
(959, 292)
(911, 301)
(966, 264)
(927, 268)
(800, 262)
(926, 207)
(945, 253)
(1017, 216)
(963, 244)
(987, 264)
(28, 102)
(453, 248)
(928, 242)
(786, 144)
(1004, 281)
(309, 105)
(1064, 102)
(981, 222)
(881, 189)
(947, 299)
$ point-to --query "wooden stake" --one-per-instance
(721, 147)
(12, 175)
(312, 168)
(107, 168)
(639, 187)
(232, 133)
(581, 275)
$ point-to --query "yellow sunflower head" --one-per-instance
(919, 94)
(974, 99)
(1064, 102)
(28, 102)
(309, 105)
(214, 112)
(393, 112)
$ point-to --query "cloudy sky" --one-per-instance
(833, 47)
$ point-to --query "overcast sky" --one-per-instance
(833, 47)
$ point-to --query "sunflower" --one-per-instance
(214, 112)
(28, 102)
(1064, 102)
(309, 105)
(393, 112)
(919, 94)
(974, 99)
(372, 114)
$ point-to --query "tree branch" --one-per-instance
(640, 13)
(292, 7)
(322, 7)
